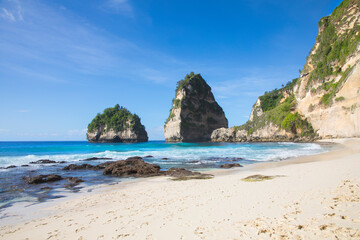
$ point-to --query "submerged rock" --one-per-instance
(11, 166)
(42, 179)
(230, 165)
(74, 180)
(43, 161)
(116, 124)
(195, 113)
(132, 167)
(96, 158)
(84, 166)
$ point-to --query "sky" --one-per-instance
(64, 61)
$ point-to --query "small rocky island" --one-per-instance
(194, 114)
(116, 124)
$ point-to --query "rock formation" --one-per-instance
(324, 102)
(116, 124)
(195, 113)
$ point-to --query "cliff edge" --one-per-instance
(324, 102)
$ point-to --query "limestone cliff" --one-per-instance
(328, 94)
(324, 102)
(116, 124)
(194, 113)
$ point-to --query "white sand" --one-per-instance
(317, 197)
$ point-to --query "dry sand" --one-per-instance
(315, 197)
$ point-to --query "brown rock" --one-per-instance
(132, 167)
(230, 165)
(42, 179)
(84, 166)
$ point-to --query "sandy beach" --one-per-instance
(312, 197)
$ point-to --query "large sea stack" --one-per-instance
(116, 124)
(194, 113)
(324, 102)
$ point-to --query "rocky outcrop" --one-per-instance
(42, 179)
(195, 113)
(132, 167)
(324, 102)
(116, 124)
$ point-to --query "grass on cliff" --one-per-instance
(281, 115)
(272, 99)
(333, 87)
(333, 48)
(116, 118)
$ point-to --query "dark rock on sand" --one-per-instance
(43, 161)
(42, 179)
(25, 165)
(230, 165)
(183, 174)
(132, 167)
(180, 172)
(96, 158)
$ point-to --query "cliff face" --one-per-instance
(195, 113)
(329, 94)
(116, 125)
(324, 102)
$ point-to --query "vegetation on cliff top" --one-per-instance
(116, 118)
(334, 48)
(280, 112)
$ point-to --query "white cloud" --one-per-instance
(122, 7)
(156, 133)
(77, 132)
(153, 75)
(12, 12)
(23, 111)
(56, 44)
(7, 15)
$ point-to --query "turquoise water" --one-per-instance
(18, 153)
(193, 156)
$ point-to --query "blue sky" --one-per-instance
(63, 61)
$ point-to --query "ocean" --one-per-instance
(192, 156)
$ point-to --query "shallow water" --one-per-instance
(193, 156)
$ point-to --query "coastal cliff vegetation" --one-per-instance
(117, 118)
(278, 107)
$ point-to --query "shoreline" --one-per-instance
(131, 198)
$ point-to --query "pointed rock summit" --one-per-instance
(194, 113)
(116, 124)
